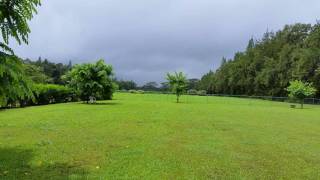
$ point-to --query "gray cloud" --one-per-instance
(144, 39)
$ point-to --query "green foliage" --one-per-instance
(36, 74)
(140, 92)
(164, 86)
(300, 90)
(193, 83)
(52, 93)
(126, 85)
(268, 65)
(136, 91)
(202, 92)
(92, 80)
(150, 86)
(14, 84)
(14, 15)
(54, 71)
(178, 83)
(192, 92)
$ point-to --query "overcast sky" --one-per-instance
(144, 39)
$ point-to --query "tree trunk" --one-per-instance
(302, 104)
(177, 98)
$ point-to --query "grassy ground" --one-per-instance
(151, 137)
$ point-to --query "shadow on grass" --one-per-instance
(15, 164)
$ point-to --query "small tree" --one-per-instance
(178, 83)
(92, 80)
(300, 90)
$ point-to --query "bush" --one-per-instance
(140, 92)
(136, 91)
(132, 91)
(92, 80)
(192, 92)
(202, 93)
(51, 93)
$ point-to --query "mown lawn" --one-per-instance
(151, 137)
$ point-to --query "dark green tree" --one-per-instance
(268, 65)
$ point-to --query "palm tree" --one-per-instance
(178, 83)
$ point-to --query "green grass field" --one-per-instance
(151, 137)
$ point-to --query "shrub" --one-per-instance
(51, 93)
(132, 91)
(202, 92)
(92, 80)
(299, 90)
(136, 91)
(192, 92)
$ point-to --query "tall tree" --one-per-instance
(268, 65)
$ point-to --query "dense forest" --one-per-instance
(268, 65)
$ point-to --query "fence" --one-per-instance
(313, 101)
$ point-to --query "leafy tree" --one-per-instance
(14, 14)
(92, 80)
(300, 90)
(14, 86)
(178, 83)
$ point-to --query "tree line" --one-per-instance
(267, 66)
(191, 84)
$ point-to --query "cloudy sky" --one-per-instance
(144, 39)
